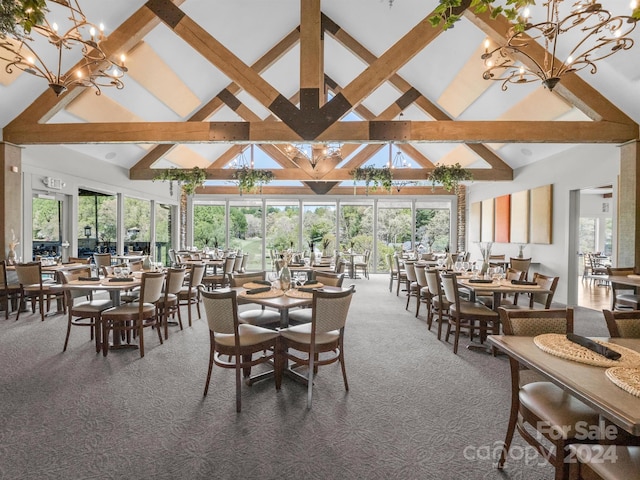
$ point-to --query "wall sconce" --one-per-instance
(14, 169)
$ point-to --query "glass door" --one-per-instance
(47, 226)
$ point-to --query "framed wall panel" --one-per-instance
(475, 222)
(502, 219)
(487, 220)
(541, 213)
(520, 217)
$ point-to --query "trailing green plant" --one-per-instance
(444, 13)
(188, 180)
(449, 176)
(251, 180)
(17, 17)
(373, 177)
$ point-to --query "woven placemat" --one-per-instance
(294, 293)
(558, 345)
(627, 378)
(250, 285)
(273, 293)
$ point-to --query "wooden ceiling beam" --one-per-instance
(403, 86)
(312, 91)
(342, 191)
(344, 132)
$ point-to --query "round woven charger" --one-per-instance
(251, 285)
(298, 294)
(626, 378)
(273, 293)
(558, 345)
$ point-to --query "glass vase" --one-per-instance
(285, 278)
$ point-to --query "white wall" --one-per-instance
(77, 170)
(579, 167)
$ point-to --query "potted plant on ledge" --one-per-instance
(188, 180)
(251, 180)
(449, 176)
(373, 177)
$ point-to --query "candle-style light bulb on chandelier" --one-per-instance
(65, 30)
(582, 32)
(314, 153)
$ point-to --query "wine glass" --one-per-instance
(117, 272)
(440, 262)
(475, 270)
(465, 266)
(457, 267)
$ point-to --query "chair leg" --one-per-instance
(206, 385)
(66, 340)
(141, 335)
(310, 377)
(511, 427)
(456, 337)
(238, 399)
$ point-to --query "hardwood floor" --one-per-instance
(592, 294)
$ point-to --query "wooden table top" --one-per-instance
(587, 383)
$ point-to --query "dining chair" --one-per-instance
(329, 278)
(463, 314)
(172, 257)
(393, 273)
(540, 300)
(411, 281)
(439, 304)
(168, 304)
(9, 292)
(604, 462)
(245, 261)
(258, 316)
(540, 405)
(422, 295)
(33, 288)
(135, 316)
(402, 273)
(521, 265)
(189, 294)
(625, 323)
(101, 260)
(237, 264)
(304, 343)
(363, 264)
(244, 345)
(623, 296)
(88, 311)
(220, 280)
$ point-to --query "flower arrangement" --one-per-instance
(374, 176)
(485, 251)
(449, 176)
(11, 258)
(17, 17)
(249, 179)
(188, 180)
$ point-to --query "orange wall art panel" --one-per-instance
(503, 219)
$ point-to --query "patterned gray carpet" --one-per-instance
(414, 410)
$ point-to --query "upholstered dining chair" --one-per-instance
(507, 300)
(393, 272)
(540, 300)
(623, 296)
(189, 294)
(101, 260)
(33, 288)
(362, 264)
(85, 313)
(411, 282)
(243, 345)
(329, 278)
(521, 265)
(625, 323)
(540, 405)
(604, 462)
(135, 316)
(304, 343)
(422, 294)
(221, 279)
(255, 316)
(463, 314)
(402, 273)
(439, 304)
(168, 304)
(9, 292)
